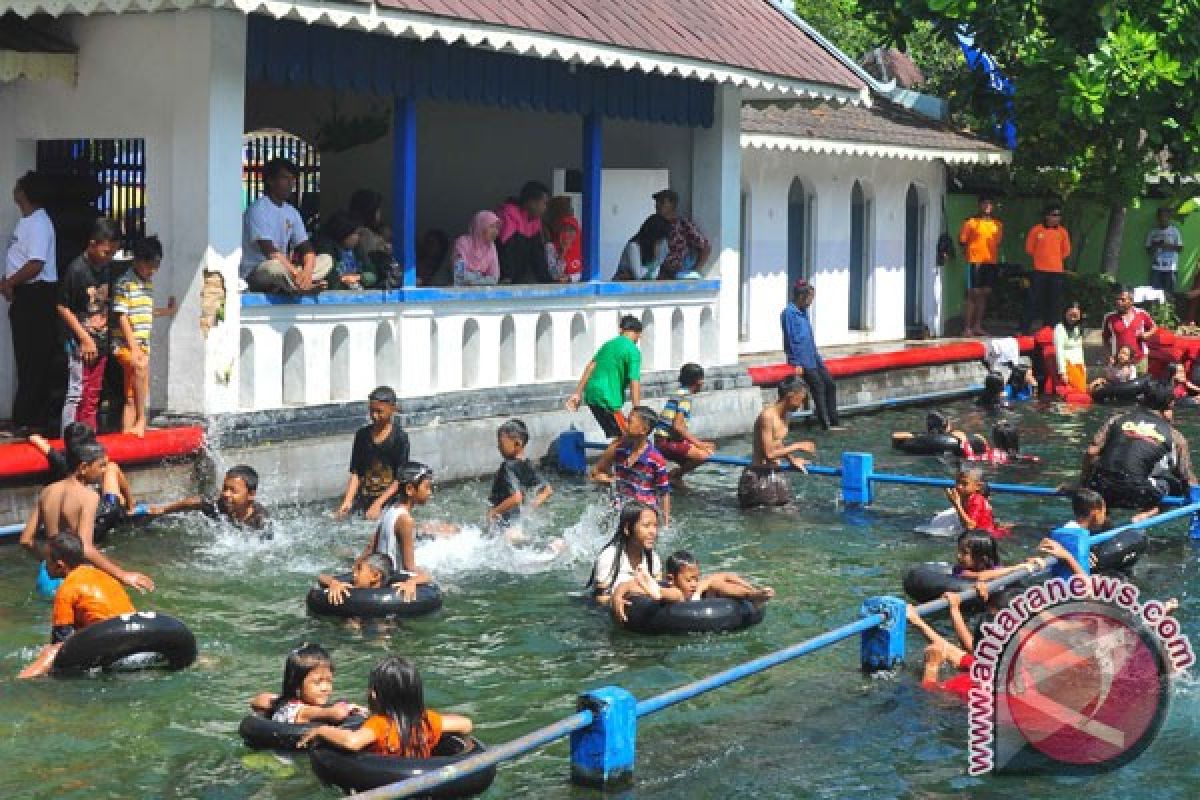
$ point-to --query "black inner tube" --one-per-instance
(264, 733)
(1126, 392)
(358, 772)
(376, 603)
(107, 643)
(928, 444)
(929, 581)
(1119, 553)
(710, 615)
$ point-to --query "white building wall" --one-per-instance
(767, 178)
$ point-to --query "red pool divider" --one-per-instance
(22, 460)
(906, 358)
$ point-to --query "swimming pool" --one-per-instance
(512, 649)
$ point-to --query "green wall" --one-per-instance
(1086, 222)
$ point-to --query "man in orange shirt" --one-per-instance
(1048, 244)
(87, 596)
(980, 238)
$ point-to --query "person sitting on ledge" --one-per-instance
(564, 241)
(687, 248)
(274, 239)
(476, 262)
(521, 243)
(644, 253)
(340, 240)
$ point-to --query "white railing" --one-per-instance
(339, 345)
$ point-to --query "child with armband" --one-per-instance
(399, 725)
(684, 583)
(307, 688)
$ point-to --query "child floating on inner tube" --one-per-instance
(87, 596)
(307, 687)
(1005, 447)
(684, 583)
(1120, 369)
(395, 535)
(400, 725)
(631, 548)
(938, 439)
(367, 573)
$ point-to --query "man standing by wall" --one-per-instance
(616, 365)
(801, 350)
(980, 238)
(1048, 244)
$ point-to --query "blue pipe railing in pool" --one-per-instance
(604, 730)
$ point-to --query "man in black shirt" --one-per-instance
(380, 450)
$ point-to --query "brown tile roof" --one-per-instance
(747, 34)
(883, 123)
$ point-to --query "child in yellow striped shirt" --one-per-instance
(133, 305)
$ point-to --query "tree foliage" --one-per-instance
(1104, 88)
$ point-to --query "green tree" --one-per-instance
(1103, 88)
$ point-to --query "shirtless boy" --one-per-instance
(70, 505)
(763, 483)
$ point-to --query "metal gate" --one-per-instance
(109, 174)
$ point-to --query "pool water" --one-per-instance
(514, 645)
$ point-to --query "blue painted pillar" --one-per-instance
(883, 646)
(570, 452)
(602, 754)
(1193, 496)
(1079, 544)
(856, 478)
(593, 164)
(404, 187)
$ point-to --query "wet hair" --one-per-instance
(689, 374)
(790, 384)
(647, 415)
(514, 429)
(341, 225)
(412, 474)
(247, 474)
(394, 690)
(981, 547)
(630, 323)
(277, 166)
(532, 190)
(1019, 375)
(67, 547)
(35, 187)
(1084, 502)
(1157, 396)
(300, 662)
(975, 474)
(365, 205)
(1006, 437)
(77, 433)
(631, 512)
(678, 560)
(148, 248)
(382, 394)
(978, 442)
(380, 564)
(936, 422)
(993, 390)
(84, 452)
(105, 230)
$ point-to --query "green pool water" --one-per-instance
(513, 647)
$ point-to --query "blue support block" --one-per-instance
(1193, 496)
(571, 454)
(1079, 544)
(883, 645)
(602, 754)
(856, 478)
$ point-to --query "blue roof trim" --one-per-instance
(287, 52)
(473, 294)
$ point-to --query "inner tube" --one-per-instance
(931, 580)
(376, 603)
(928, 444)
(1119, 553)
(106, 644)
(1126, 392)
(711, 615)
(359, 772)
(264, 733)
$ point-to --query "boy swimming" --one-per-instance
(236, 502)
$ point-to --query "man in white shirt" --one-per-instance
(1163, 243)
(30, 285)
(273, 238)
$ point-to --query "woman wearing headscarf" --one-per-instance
(1068, 351)
(521, 244)
(564, 241)
(476, 262)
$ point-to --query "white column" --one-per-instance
(208, 73)
(716, 205)
(415, 340)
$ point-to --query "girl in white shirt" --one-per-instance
(632, 546)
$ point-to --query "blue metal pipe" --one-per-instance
(742, 461)
(1157, 519)
(690, 690)
(492, 756)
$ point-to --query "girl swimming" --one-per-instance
(395, 535)
(307, 687)
(631, 547)
(400, 725)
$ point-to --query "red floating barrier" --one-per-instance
(23, 460)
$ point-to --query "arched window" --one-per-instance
(801, 231)
(862, 212)
(915, 221)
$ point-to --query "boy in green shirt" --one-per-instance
(616, 365)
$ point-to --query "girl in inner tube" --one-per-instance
(936, 424)
(306, 691)
(684, 583)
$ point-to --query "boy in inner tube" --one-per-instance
(87, 596)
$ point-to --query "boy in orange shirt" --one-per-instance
(980, 238)
(87, 596)
(1048, 244)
